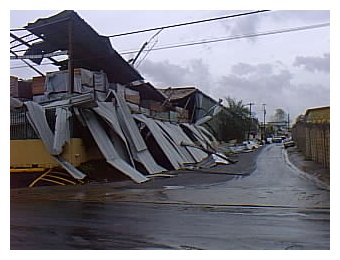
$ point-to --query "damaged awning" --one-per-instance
(92, 51)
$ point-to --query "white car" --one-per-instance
(250, 145)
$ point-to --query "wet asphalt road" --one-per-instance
(273, 208)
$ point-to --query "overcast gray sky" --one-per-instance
(287, 70)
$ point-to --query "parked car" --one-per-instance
(277, 139)
(289, 143)
(251, 145)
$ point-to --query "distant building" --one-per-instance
(195, 101)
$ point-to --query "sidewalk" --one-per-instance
(313, 169)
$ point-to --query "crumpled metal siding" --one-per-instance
(123, 144)
(207, 133)
(178, 135)
(107, 111)
(53, 143)
(196, 134)
(62, 129)
(37, 118)
(107, 148)
(175, 159)
(138, 147)
(175, 139)
(73, 171)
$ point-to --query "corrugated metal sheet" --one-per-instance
(108, 112)
(62, 128)
(79, 100)
(138, 147)
(207, 133)
(179, 137)
(175, 159)
(37, 118)
(128, 124)
(108, 149)
(175, 139)
(69, 168)
(196, 133)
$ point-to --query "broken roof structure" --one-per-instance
(198, 103)
(68, 32)
(129, 137)
(90, 50)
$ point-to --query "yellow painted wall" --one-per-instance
(318, 115)
(32, 153)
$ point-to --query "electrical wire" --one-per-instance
(294, 29)
(233, 38)
(188, 23)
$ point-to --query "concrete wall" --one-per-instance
(32, 153)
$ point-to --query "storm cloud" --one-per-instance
(165, 74)
(270, 83)
(248, 69)
(243, 25)
(252, 24)
(263, 81)
(314, 64)
(273, 85)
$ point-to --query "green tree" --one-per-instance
(235, 120)
(279, 116)
(232, 122)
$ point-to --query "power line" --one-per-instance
(188, 23)
(309, 27)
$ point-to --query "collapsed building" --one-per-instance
(98, 107)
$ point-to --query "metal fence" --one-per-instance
(20, 127)
(313, 140)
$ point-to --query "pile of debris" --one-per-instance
(138, 129)
(123, 137)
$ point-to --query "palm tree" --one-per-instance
(235, 120)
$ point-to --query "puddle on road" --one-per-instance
(173, 187)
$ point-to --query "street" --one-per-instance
(272, 208)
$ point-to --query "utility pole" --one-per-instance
(288, 123)
(70, 58)
(264, 121)
(250, 116)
